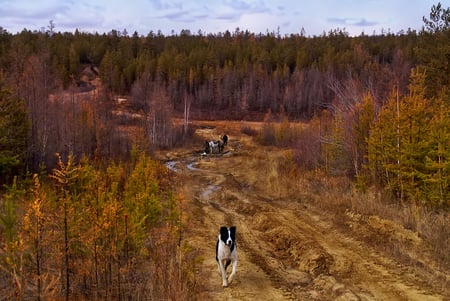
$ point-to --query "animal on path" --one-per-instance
(225, 139)
(206, 147)
(215, 147)
(226, 253)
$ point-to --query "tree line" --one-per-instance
(51, 102)
(60, 91)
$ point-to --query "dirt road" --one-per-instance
(288, 249)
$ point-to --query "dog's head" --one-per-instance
(228, 235)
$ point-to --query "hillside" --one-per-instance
(291, 245)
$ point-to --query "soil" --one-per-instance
(288, 248)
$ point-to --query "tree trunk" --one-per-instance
(66, 250)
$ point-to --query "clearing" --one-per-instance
(289, 248)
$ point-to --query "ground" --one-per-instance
(288, 248)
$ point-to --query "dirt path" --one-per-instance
(288, 249)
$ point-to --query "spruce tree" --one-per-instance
(13, 134)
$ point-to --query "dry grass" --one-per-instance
(338, 196)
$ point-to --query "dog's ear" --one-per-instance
(233, 232)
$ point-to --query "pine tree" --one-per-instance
(433, 49)
(65, 176)
(436, 177)
(384, 147)
(364, 116)
(414, 119)
(11, 257)
(407, 152)
(142, 198)
(13, 134)
(33, 234)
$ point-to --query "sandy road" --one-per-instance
(288, 249)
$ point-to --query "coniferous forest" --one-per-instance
(82, 112)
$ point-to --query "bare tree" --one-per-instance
(187, 109)
(154, 101)
(35, 87)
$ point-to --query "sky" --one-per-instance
(213, 16)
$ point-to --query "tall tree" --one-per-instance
(437, 159)
(65, 176)
(406, 146)
(363, 118)
(12, 255)
(33, 229)
(13, 133)
(35, 87)
(434, 49)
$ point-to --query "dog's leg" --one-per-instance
(223, 272)
(218, 266)
(233, 271)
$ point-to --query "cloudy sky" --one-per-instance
(213, 16)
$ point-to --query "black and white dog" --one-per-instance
(226, 253)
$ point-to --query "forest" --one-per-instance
(81, 114)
